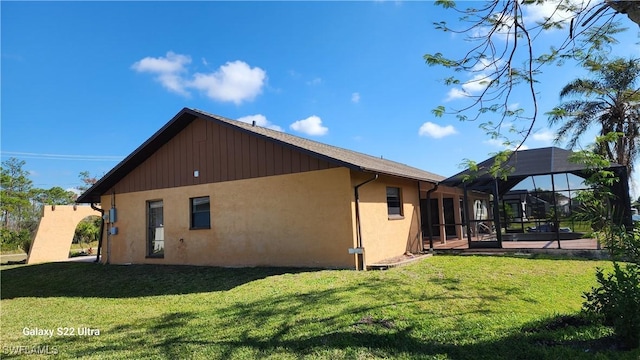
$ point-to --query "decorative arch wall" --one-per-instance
(55, 232)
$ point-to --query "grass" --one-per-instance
(574, 225)
(444, 307)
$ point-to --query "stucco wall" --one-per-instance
(382, 237)
(287, 220)
(55, 232)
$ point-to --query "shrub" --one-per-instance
(13, 240)
(25, 245)
(617, 299)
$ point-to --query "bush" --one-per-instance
(14, 240)
(617, 299)
(25, 245)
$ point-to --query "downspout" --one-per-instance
(429, 223)
(94, 207)
(420, 233)
(358, 225)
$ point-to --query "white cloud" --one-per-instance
(260, 120)
(168, 70)
(172, 63)
(294, 74)
(545, 136)
(545, 10)
(456, 93)
(232, 82)
(485, 64)
(315, 81)
(310, 126)
(436, 131)
(478, 83)
(355, 97)
(235, 82)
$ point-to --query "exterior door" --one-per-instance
(449, 217)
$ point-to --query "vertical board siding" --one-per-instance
(219, 153)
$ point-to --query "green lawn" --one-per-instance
(444, 307)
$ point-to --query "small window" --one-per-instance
(394, 202)
(155, 229)
(200, 214)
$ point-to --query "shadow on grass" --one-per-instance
(70, 279)
(550, 338)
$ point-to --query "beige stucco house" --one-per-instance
(206, 190)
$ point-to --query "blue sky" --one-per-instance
(85, 83)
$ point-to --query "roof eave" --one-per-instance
(93, 194)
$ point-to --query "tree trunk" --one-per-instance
(630, 8)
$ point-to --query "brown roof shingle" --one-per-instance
(340, 156)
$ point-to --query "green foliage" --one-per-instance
(445, 3)
(617, 301)
(12, 239)
(21, 203)
(88, 230)
(609, 101)
(54, 196)
(617, 298)
(501, 59)
(15, 188)
(595, 204)
(26, 245)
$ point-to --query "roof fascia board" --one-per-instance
(138, 155)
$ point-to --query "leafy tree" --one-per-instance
(54, 196)
(21, 204)
(502, 59)
(610, 101)
(15, 187)
(88, 230)
(87, 181)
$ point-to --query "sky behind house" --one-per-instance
(85, 83)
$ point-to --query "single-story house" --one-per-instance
(206, 190)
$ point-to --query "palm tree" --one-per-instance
(611, 101)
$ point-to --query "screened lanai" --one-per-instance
(539, 200)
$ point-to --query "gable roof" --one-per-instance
(339, 156)
(523, 163)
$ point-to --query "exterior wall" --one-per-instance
(383, 237)
(298, 219)
(218, 153)
(55, 232)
